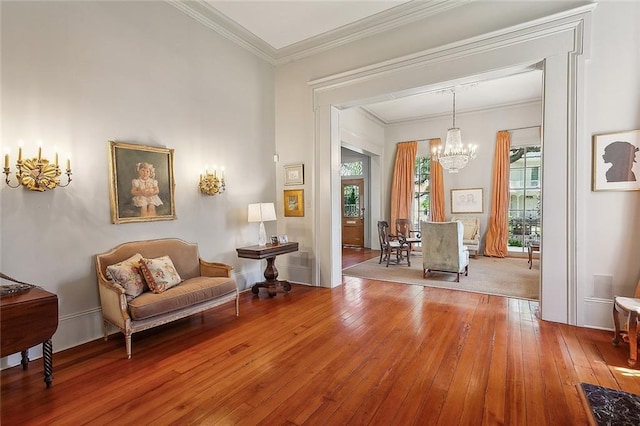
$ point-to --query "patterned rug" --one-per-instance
(611, 407)
(510, 277)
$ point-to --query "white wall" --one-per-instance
(479, 128)
(609, 221)
(606, 229)
(77, 74)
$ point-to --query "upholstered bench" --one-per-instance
(144, 284)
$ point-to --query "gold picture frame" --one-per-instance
(294, 202)
(141, 183)
(294, 174)
(615, 161)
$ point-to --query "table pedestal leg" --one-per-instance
(270, 282)
(47, 356)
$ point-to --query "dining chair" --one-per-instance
(392, 244)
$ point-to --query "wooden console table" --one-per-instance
(269, 252)
(28, 319)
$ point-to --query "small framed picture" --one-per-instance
(141, 183)
(283, 239)
(294, 174)
(615, 161)
(294, 202)
(466, 200)
(274, 240)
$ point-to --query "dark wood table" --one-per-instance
(29, 318)
(269, 252)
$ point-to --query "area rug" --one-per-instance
(510, 277)
(610, 406)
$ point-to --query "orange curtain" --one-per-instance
(437, 186)
(402, 188)
(497, 234)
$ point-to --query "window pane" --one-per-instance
(524, 198)
(421, 207)
(351, 169)
(351, 201)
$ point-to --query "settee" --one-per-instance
(174, 284)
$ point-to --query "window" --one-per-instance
(421, 201)
(524, 197)
(351, 169)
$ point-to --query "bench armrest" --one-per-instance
(215, 269)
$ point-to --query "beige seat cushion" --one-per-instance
(187, 293)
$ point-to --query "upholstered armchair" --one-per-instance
(471, 235)
(443, 249)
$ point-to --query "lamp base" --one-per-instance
(262, 237)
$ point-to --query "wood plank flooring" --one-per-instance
(366, 353)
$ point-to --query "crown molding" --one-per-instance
(400, 15)
(389, 19)
(211, 18)
(469, 111)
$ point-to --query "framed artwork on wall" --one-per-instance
(141, 183)
(294, 174)
(467, 200)
(615, 161)
(294, 202)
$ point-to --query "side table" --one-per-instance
(531, 249)
(269, 252)
(28, 319)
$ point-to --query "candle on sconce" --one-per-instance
(55, 162)
(6, 159)
(215, 170)
(39, 151)
(222, 171)
(20, 151)
(69, 163)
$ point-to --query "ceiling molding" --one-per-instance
(484, 109)
(403, 14)
(389, 19)
(211, 18)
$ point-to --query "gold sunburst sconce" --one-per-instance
(37, 173)
(210, 183)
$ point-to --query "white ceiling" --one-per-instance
(283, 24)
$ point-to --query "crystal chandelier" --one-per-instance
(455, 155)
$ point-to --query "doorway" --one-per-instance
(353, 209)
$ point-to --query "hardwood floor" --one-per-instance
(367, 352)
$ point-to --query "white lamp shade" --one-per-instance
(261, 212)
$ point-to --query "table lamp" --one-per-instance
(262, 212)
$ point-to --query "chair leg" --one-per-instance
(408, 257)
(457, 277)
(381, 252)
(466, 271)
(616, 326)
(388, 257)
(633, 338)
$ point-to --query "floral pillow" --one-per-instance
(127, 274)
(159, 273)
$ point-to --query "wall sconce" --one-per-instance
(210, 184)
(36, 174)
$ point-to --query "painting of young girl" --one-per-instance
(142, 186)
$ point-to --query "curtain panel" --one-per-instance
(436, 184)
(402, 188)
(498, 234)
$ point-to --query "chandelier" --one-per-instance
(455, 155)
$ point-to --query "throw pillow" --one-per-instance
(159, 273)
(127, 275)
